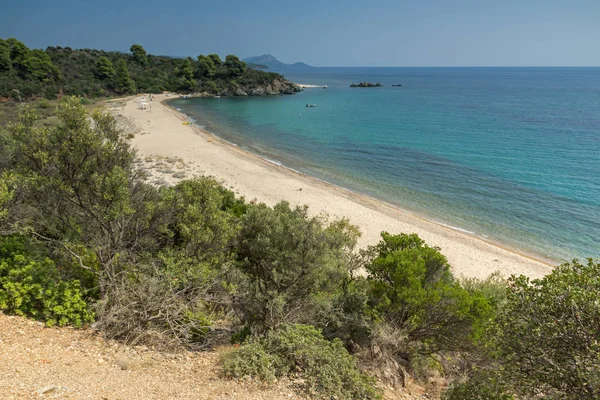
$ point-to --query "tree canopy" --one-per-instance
(26, 73)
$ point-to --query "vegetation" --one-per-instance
(32, 286)
(325, 367)
(50, 73)
(84, 237)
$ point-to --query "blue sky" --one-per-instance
(323, 33)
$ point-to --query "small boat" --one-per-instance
(311, 105)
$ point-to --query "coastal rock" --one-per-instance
(276, 87)
(366, 84)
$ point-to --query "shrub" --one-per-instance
(412, 289)
(547, 336)
(148, 307)
(32, 287)
(327, 369)
(286, 263)
(482, 387)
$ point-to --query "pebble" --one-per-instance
(46, 389)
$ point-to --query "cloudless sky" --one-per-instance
(323, 32)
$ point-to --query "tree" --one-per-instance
(234, 65)
(18, 51)
(206, 67)
(215, 59)
(5, 61)
(412, 289)
(139, 54)
(105, 69)
(186, 75)
(37, 65)
(547, 337)
(287, 260)
(84, 195)
(123, 82)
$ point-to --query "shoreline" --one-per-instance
(236, 168)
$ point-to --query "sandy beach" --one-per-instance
(172, 150)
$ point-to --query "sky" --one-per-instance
(322, 32)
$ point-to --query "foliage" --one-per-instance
(122, 81)
(547, 336)
(234, 65)
(412, 289)
(203, 223)
(27, 74)
(482, 387)
(186, 76)
(150, 307)
(287, 261)
(79, 182)
(493, 288)
(345, 315)
(206, 67)
(105, 68)
(5, 61)
(139, 54)
(31, 286)
(326, 367)
(6, 194)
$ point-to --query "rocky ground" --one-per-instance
(64, 363)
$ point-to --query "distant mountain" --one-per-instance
(273, 63)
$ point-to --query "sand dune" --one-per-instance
(182, 150)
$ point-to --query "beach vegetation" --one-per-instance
(546, 339)
(287, 263)
(325, 368)
(412, 289)
(27, 74)
(85, 237)
(31, 285)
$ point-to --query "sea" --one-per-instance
(511, 155)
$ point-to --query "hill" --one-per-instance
(32, 73)
(273, 63)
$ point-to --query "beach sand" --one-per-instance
(172, 150)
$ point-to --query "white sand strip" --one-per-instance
(164, 134)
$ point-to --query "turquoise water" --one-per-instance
(510, 154)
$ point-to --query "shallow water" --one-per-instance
(511, 154)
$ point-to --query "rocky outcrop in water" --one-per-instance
(277, 87)
(366, 84)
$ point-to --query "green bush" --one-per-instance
(252, 359)
(482, 387)
(287, 262)
(413, 290)
(326, 368)
(547, 336)
(33, 288)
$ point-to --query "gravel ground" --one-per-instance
(64, 363)
(37, 362)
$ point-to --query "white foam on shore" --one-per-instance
(278, 163)
(456, 228)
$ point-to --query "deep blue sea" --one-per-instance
(510, 154)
